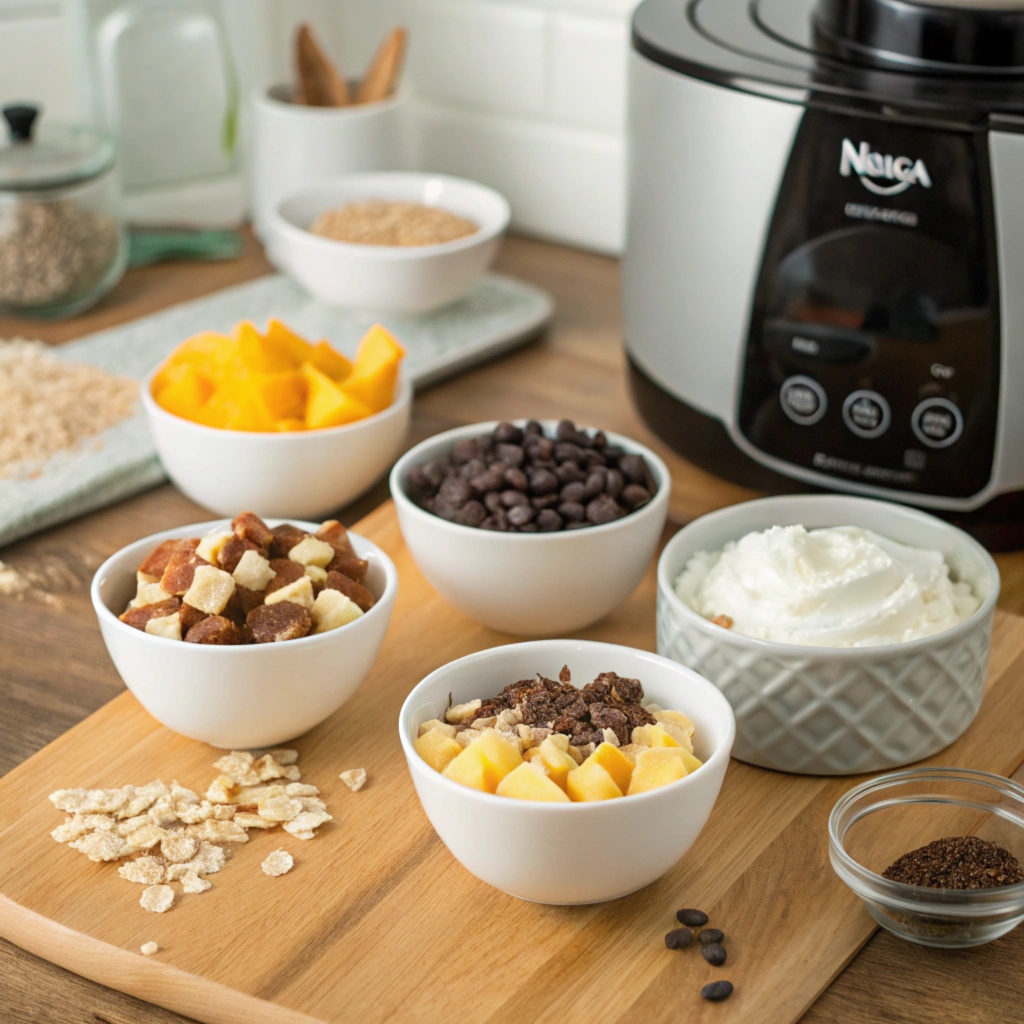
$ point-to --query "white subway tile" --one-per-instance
(622, 9)
(588, 71)
(35, 65)
(563, 184)
(478, 54)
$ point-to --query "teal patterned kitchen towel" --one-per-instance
(497, 314)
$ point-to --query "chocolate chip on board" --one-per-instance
(517, 480)
(692, 918)
(717, 991)
(679, 938)
(709, 935)
(714, 953)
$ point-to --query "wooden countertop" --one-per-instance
(54, 670)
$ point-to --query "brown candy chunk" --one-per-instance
(349, 564)
(335, 534)
(181, 567)
(231, 554)
(245, 600)
(286, 537)
(249, 526)
(272, 623)
(138, 617)
(189, 617)
(214, 629)
(157, 560)
(287, 572)
(354, 591)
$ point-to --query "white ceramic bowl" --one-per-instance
(399, 279)
(530, 584)
(302, 473)
(830, 710)
(576, 853)
(255, 695)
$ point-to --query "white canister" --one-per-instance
(295, 146)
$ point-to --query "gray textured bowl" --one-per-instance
(827, 710)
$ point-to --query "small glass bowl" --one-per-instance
(882, 819)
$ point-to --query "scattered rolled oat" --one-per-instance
(149, 948)
(280, 862)
(157, 898)
(165, 834)
(354, 778)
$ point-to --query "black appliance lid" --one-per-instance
(952, 62)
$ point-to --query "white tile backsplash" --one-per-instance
(564, 184)
(479, 55)
(526, 95)
(588, 72)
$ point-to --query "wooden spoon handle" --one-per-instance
(382, 76)
(318, 83)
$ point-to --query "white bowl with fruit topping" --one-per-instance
(300, 473)
(833, 710)
(246, 695)
(531, 584)
(569, 852)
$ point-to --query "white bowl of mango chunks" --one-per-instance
(547, 848)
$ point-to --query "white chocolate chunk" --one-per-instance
(311, 551)
(253, 571)
(211, 589)
(460, 712)
(149, 948)
(316, 574)
(149, 593)
(212, 545)
(332, 609)
(167, 626)
(300, 592)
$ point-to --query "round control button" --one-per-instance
(937, 422)
(803, 400)
(866, 413)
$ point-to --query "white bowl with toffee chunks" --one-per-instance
(244, 633)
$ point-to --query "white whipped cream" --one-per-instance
(837, 587)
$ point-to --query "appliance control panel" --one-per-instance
(873, 353)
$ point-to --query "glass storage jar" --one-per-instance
(62, 246)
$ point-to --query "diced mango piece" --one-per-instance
(437, 749)
(652, 736)
(209, 351)
(656, 767)
(257, 355)
(618, 766)
(288, 343)
(329, 405)
(243, 409)
(184, 392)
(530, 783)
(590, 781)
(291, 424)
(373, 377)
(557, 761)
(330, 361)
(690, 763)
(283, 394)
(484, 763)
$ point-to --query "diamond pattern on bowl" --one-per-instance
(868, 710)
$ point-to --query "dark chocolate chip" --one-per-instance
(508, 433)
(512, 498)
(548, 520)
(603, 510)
(542, 481)
(717, 991)
(679, 938)
(471, 514)
(708, 935)
(714, 953)
(574, 492)
(516, 478)
(510, 454)
(570, 473)
(634, 496)
(692, 918)
(572, 511)
(520, 515)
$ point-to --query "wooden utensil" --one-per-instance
(382, 76)
(318, 83)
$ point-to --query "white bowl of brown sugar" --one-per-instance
(398, 242)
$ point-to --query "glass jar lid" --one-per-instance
(37, 156)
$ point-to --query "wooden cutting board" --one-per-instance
(377, 921)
